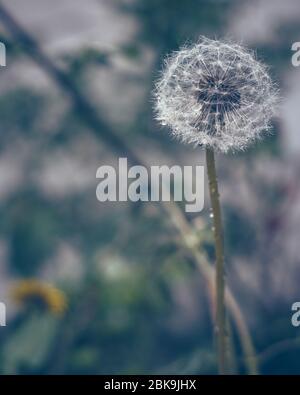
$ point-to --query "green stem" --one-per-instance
(191, 245)
(219, 251)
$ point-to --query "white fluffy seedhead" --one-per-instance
(215, 94)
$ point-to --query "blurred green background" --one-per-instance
(94, 288)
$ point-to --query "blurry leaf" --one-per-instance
(85, 358)
(19, 110)
(131, 51)
(30, 344)
(31, 232)
(168, 23)
(90, 56)
(201, 361)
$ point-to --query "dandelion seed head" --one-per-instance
(215, 94)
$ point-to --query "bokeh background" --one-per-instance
(95, 288)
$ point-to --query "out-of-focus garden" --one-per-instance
(108, 288)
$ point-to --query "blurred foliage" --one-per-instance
(166, 24)
(129, 311)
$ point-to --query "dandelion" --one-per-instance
(218, 96)
(215, 94)
(38, 294)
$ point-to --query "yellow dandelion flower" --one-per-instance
(37, 293)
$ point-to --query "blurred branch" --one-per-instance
(92, 119)
(62, 80)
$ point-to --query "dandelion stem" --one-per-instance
(191, 245)
(220, 321)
